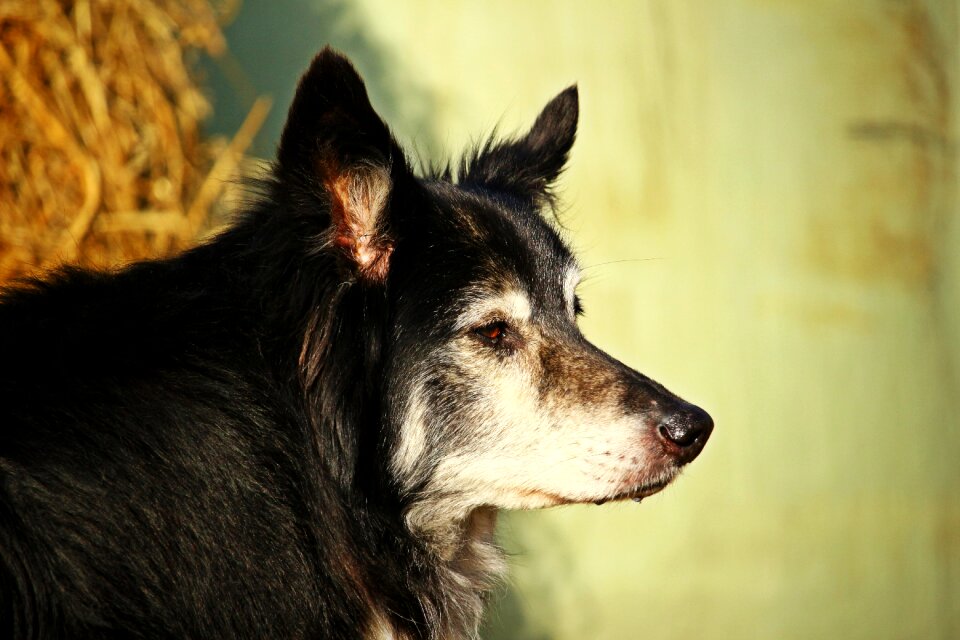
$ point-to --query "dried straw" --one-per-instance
(101, 160)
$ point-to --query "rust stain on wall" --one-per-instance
(884, 222)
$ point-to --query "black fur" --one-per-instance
(527, 166)
(195, 447)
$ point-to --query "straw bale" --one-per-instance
(101, 157)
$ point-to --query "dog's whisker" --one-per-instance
(622, 261)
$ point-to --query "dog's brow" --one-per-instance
(512, 304)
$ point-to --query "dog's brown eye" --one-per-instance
(493, 332)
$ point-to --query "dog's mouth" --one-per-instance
(637, 493)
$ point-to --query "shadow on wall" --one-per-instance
(270, 44)
(508, 616)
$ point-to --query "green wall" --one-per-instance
(764, 193)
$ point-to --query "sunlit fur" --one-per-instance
(305, 428)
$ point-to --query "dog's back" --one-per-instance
(150, 474)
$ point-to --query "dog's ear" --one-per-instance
(527, 166)
(336, 146)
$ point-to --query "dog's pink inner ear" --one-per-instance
(359, 197)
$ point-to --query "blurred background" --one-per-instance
(764, 193)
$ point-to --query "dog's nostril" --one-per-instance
(665, 434)
(677, 430)
(688, 429)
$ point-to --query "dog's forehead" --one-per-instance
(513, 234)
(527, 246)
(480, 252)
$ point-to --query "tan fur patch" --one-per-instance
(358, 198)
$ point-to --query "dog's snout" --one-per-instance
(685, 431)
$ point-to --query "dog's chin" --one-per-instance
(635, 489)
(637, 492)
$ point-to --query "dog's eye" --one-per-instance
(577, 306)
(492, 333)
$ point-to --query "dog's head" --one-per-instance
(493, 397)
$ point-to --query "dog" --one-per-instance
(305, 427)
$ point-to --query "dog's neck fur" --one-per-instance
(451, 585)
(468, 565)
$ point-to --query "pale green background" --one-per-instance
(764, 193)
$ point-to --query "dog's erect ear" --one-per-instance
(336, 145)
(527, 167)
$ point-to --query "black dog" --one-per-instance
(304, 428)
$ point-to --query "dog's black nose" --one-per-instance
(685, 431)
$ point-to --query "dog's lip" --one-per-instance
(637, 493)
